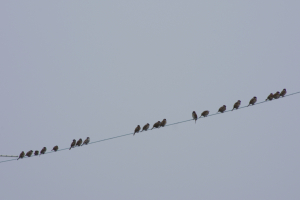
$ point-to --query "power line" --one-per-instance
(165, 125)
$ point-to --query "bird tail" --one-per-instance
(70, 148)
(18, 158)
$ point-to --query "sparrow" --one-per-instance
(55, 148)
(222, 109)
(137, 129)
(270, 97)
(283, 92)
(29, 153)
(43, 151)
(156, 125)
(86, 141)
(79, 142)
(252, 101)
(163, 122)
(73, 144)
(36, 153)
(145, 128)
(204, 113)
(236, 105)
(22, 154)
(276, 95)
(194, 115)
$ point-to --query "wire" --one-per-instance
(165, 125)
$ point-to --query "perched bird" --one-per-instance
(156, 125)
(86, 141)
(36, 153)
(145, 128)
(194, 115)
(204, 113)
(22, 154)
(252, 101)
(163, 123)
(270, 97)
(55, 148)
(29, 153)
(283, 92)
(137, 129)
(73, 144)
(79, 142)
(276, 95)
(43, 151)
(236, 105)
(222, 109)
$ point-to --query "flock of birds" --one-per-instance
(158, 124)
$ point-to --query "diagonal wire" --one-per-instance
(165, 125)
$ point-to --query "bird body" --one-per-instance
(55, 148)
(156, 125)
(252, 101)
(43, 151)
(204, 113)
(236, 105)
(79, 142)
(137, 129)
(222, 109)
(36, 153)
(86, 141)
(276, 95)
(283, 92)
(270, 97)
(73, 144)
(22, 154)
(145, 128)
(163, 123)
(29, 153)
(194, 115)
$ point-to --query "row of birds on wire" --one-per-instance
(55, 148)
(158, 124)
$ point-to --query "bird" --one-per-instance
(163, 123)
(22, 154)
(283, 92)
(43, 151)
(79, 142)
(270, 97)
(55, 148)
(145, 128)
(29, 153)
(222, 109)
(86, 141)
(276, 95)
(194, 115)
(252, 101)
(236, 105)
(36, 153)
(137, 129)
(204, 113)
(73, 144)
(156, 125)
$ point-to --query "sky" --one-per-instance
(77, 69)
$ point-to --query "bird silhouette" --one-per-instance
(22, 154)
(194, 115)
(236, 105)
(137, 129)
(252, 101)
(145, 128)
(222, 109)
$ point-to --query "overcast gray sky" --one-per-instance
(74, 69)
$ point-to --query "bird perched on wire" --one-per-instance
(43, 151)
(145, 128)
(137, 129)
(276, 95)
(86, 141)
(237, 105)
(22, 154)
(163, 122)
(283, 92)
(29, 153)
(204, 113)
(156, 125)
(36, 153)
(55, 148)
(270, 97)
(73, 144)
(252, 101)
(194, 115)
(222, 109)
(79, 142)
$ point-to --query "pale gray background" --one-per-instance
(74, 69)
